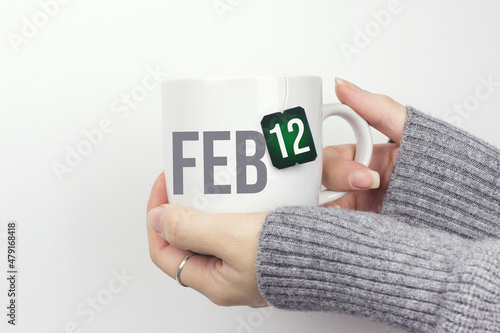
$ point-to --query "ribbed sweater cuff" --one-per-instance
(445, 178)
(363, 264)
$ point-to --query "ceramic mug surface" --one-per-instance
(249, 144)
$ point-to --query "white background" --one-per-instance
(77, 230)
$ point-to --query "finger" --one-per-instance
(341, 173)
(171, 259)
(207, 274)
(197, 272)
(226, 236)
(193, 273)
(157, 197)
(380, 111)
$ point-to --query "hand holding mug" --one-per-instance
(225, 273)
(340, 173)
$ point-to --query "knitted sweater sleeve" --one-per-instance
(429, 263)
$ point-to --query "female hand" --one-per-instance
(340, 173)
(225, 272)
(226, 275)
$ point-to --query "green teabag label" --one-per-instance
(288, 138)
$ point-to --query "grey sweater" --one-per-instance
(430, 262)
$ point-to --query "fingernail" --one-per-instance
(335, 207)
(340, 81)
(363, 180)
(154, 218)
(347, 84)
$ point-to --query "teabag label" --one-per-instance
(288, 138)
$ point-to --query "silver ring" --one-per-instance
(183, 262)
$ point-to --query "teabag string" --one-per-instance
(286, 94)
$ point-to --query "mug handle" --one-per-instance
(364, 141)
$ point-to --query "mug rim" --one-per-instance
(211, 79)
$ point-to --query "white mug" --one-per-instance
(250, 144)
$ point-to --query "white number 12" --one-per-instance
(296, 149)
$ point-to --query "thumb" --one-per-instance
(380, 111)
(220, 235)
